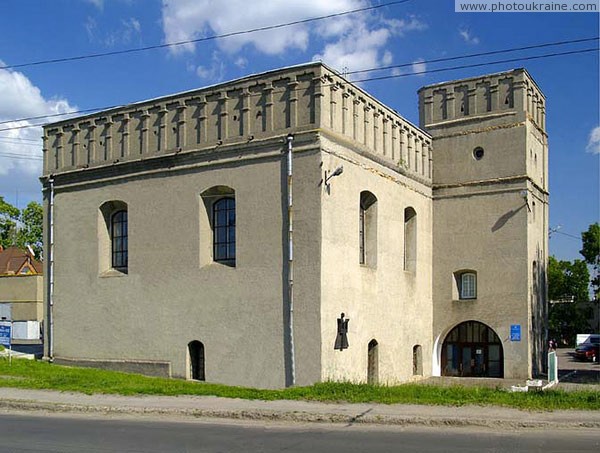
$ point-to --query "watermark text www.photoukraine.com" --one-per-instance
(526, 6)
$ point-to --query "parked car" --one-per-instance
(588, 351)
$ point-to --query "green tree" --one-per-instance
(591, 252)
(591, 244)
(31, 228)
(21, 228)
(568, 291)
(9, 216)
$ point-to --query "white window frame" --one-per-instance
(468, 285)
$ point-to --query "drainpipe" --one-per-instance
(50, 258)
(290, 139)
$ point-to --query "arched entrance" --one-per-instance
(417, 360)
(472, 349)
(196, 355)
(373, 363)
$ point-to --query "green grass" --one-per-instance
(41, 375)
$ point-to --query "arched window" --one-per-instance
(118, 238)
(113, 238)
(417, 360)
(373, 362)
(468, 285)
(224, 229)
(218, 226)
(367, 230)
(465, 285)
(410, 240)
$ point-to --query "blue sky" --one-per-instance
(406, 33)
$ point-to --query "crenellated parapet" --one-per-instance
(262, 106)
(351, 112)
(507, 93)
(252, 108)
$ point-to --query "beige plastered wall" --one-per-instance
(482, 224)
(167, 299)
(483, 216)
(479, 233)
(385, 303)
(24, 293)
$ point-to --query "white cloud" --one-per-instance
(190, 19)
(22, 99)
(593, 145)
(97, 3)
(241, 62)
(403, 26)
(90, 27)
(387, 58)
(360, 45)
(215, 71)
(468, 37)
(133, 24)
(357, 50)
(128, 31)
(419, 66)
(356, 41)
(100, 3)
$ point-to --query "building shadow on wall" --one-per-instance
(505, 218)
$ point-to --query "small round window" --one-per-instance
(478, 153)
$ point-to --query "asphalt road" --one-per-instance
(574, 371)
(50, 433)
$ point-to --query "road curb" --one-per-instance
(296, 416)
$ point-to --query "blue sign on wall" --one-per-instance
(5, 333)
(515, 332)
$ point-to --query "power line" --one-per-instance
(52, 115)
(456, 57)
(567, 234)
(475, 65)
(438, 60)
(371, 79)
(24, 144)
(206, 38)
(21, 139)
(480, 54)
(19, 156)
(16, 142)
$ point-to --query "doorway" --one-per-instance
(417, 360)
(196, 357)
(472, 349)
(373, 363)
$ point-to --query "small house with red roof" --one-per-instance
(21, 293)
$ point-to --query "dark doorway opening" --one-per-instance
(417, 360)
(373, 363)
(196, 354)
(472, 349)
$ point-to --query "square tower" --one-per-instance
(490, 224)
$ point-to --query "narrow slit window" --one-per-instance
(410, 240)
(224, 230)
(367, 229)
(119, 240)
